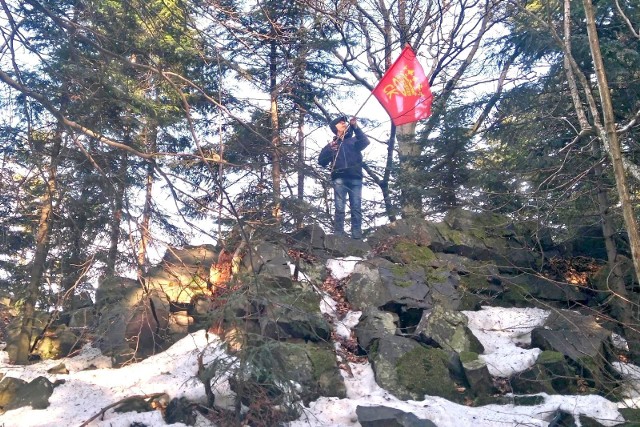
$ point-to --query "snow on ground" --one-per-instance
(87, 390)
(362, 390)
(500, 330)
(631, 389)
(342, 267)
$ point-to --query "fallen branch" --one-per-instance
(119, 402)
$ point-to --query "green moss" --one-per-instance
(400, 276)
(547, 357)
(479, 232)
(322, 359)
(399, 270)
(373, 349)
(437, 275)
(307, 302)
(468, 356)
(424, 372)
(411, 253)
(454, 236)
(631, 415)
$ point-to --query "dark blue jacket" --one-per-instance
(348, 158)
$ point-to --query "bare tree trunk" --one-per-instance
(275, 135)
(602, 197)
(150, 137)
(383, 182)
(609, 134)
(40, 256)
(120, 184)
(409, 153)
(301, 161)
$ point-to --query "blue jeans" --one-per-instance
(352, 187)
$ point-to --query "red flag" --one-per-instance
(404, 90)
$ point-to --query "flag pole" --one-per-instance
(363, 104)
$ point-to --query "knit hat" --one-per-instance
(335, 121)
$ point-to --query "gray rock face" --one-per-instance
(132, 323)
(384, 363)
(192, 256)
(270, 263)
(410, 371)
(313, 366)
(580, 339)
(378, 283)
(375, 324)
(541, 288)
(572, 334)
(384, 416)
(309, 237)
(477, 376)
(339, 246)
(449, 330)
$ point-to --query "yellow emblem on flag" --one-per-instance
(404, 84)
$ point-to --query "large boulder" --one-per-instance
(183, 273)
(311, 368)
(527, 289)
(339, 246)
(420, 231)
(193, 257)
(379, 283)
(314, 367)
(410, 371)
(580, 339)
(59, 342)
(375, 324)
(16, 393)
(476, 373)
(551, 374)
(270, 263)
(485, 236)
(294, 314)
(132, 323)
(12, 332)
(448, 329)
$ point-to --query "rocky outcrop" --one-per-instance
(132, 321)
(412, 282)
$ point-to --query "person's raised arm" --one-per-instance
(362, 141)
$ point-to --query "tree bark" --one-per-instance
(616, 283)
(38, 264)
(120, 184)
(409, 154)
(275, 135)
(610, 135)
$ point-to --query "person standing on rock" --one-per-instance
(344, 156)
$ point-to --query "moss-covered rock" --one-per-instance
(58, 343)
(406, 251)
(311, 365)
(449, 330)
(292, 314)
(551, 374)
(631, 416)
(423, 371)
